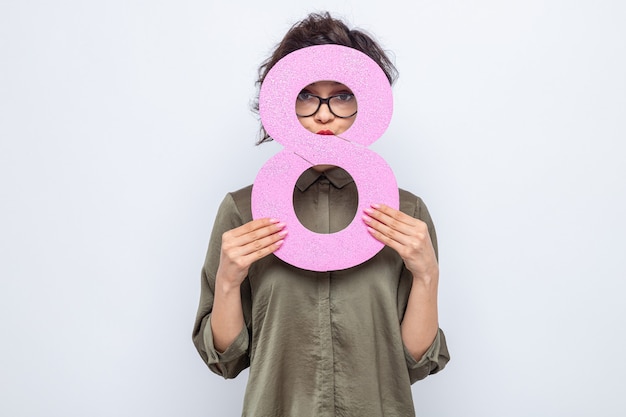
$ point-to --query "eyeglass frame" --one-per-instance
(327, 102)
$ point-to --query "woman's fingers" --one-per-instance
(393, 225)
(256, 229)
(260, 234)
(252, 241)
(263, 243)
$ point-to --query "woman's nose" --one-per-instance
(324, 115)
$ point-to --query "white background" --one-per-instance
(124, 123)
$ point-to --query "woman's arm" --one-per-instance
(223, 286)
(410, 238)
(240, 248)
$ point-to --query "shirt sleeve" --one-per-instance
(433, 361)
(235, 358)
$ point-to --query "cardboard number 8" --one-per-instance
(272, 193)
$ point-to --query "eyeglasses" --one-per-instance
(340, 105)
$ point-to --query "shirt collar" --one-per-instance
(337, 176)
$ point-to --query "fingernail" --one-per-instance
(368, 210)
(366, 219)
(282, 233)
(376, 206)
(280, 242)
(281, 225)
(274, 220)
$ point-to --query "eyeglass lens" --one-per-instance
(342, 105)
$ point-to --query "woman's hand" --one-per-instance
(407, 236)
(246, 244)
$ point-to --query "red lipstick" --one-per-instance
(325, 132)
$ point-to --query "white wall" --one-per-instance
(122, 125)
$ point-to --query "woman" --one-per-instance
(339, 343)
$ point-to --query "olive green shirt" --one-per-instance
(319, 343)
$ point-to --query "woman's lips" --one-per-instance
(325, 132)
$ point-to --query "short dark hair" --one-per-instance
(323, 29)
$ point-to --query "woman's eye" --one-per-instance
(345, 96)
(304, 96)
